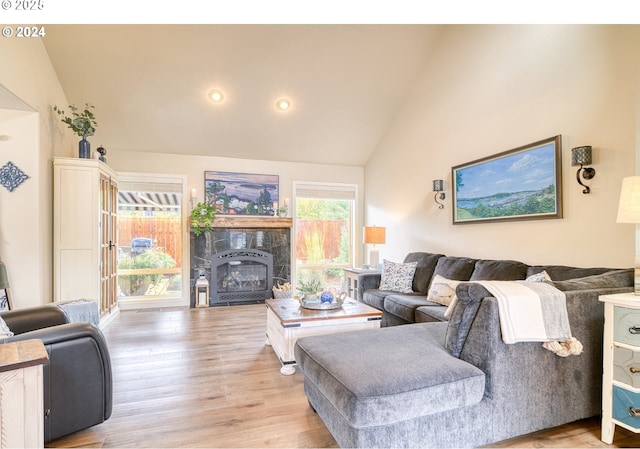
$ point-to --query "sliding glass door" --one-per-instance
(150, 240)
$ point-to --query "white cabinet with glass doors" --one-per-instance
(85, 232)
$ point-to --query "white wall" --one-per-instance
(32, 139)
(193, 167)
(19, 208)
(488, 89)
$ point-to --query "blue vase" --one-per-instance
(85, 149)
(326, 296)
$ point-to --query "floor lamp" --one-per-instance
(374, 235)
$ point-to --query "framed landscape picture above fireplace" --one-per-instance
(241, 193)
(519, 184)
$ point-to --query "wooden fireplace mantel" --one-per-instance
(248, 221)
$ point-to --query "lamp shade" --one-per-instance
(438, 185)
(629, 206)
(375, 234)
(581, 156)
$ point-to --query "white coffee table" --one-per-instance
(287, 321)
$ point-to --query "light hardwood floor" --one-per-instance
(205, 378)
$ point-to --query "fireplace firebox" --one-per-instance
(241, 275)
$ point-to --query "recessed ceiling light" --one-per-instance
(216, 95)
(283, 104)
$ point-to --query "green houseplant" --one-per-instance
(311, 286)
(82, 122)
(202, 218)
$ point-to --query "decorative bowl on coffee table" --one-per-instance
(317, 302)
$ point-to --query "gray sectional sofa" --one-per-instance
(455, 383)
(414, 307)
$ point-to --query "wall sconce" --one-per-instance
(582, 156)
(374, 235)
(438, 187)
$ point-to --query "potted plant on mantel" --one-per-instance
(202, 218)
(83, 123)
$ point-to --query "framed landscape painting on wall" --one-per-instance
(241, 193)
(519, 184)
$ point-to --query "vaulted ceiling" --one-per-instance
(149, 86)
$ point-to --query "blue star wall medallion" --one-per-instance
(11, 176)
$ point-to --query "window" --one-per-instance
(324, 237)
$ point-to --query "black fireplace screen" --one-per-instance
(240, 276)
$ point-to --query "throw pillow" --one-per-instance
(4, 329)
(442, 290)
(543, 276)
(397, 277)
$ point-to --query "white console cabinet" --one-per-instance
(85, 198)
(621, 364)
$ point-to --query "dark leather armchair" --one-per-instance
(77, 379)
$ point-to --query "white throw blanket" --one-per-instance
(534, 311)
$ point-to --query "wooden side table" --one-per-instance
(621, 364)
(21, 390)
(352, 275)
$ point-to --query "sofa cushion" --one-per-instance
(429, 314)
(562, 272)
(456, 268)
(426, 264)
(374, 297)
(442, 290)
(610, 279)
(397, 277)
(499, 270)
(418, 376)
(405, 305)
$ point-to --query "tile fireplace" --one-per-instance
(242, 258)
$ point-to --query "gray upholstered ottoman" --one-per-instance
(393, 375)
